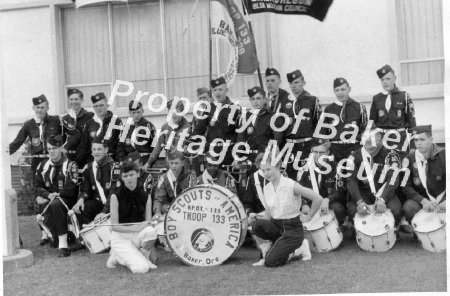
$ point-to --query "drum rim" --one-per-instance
(423, 232)
(390, 230)
(237, 210)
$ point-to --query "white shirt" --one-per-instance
(282, 203)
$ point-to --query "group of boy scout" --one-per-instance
(81, 136)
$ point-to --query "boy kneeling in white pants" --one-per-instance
(132, 245)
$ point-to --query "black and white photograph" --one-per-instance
(224, 147)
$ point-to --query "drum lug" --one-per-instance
(432, 245)
(358, 239)
(442, 222)
(373, 246)
(387, 243)
(305, 228)
(414, 224)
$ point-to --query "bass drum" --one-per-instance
(430, 230)
(375, 232)
(205, 225)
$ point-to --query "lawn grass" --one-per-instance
(405, 268)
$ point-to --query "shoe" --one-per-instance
(44, 241)
(112, 262)
(63, 252)
(406, 228)
(304, 251)
(260, 262)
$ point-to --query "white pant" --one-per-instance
(125, 248)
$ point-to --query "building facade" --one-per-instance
(163, 47)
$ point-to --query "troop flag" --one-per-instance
(317, 9)
(228, 22)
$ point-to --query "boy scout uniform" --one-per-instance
(274, 102)
(432, 183)
(130, 145)
(302, 137)
(393, 111)
(349, 112)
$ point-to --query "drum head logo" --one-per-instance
(202, 240)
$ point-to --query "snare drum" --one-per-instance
(430, 230)
(205, 225)
(323, 232)
(375, 232)
(97, 238)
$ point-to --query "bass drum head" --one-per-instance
(205, 225)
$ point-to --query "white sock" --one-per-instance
(62, 241)
(44, 235)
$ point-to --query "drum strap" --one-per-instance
(259, 189)
(421, 162)
(366, 161)
(315, 182)
(99, 186)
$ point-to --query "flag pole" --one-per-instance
(251, 31)
(210, 42)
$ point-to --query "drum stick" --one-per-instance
(116, 224)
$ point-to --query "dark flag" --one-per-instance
(317, 9)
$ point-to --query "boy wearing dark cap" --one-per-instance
(393, 110)
(139, 137)
(258, 131)
(425, 188)
(54, 185)
(352, 115)
(299, 134)
(222, 125)
(38, 130)
(170, 133)
(276, 95)
(77, 117)
(98, 125)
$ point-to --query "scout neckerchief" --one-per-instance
(343, 105)
(259, 188)
(422, 162)
(40, 124)
(100, 122)
(173, 181)
(367, 161)
(315, 182)
(208, 179)
(97, 183)
(134, 134)
(273, 101)
(51, 165)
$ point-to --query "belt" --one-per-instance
(295, 219)
(393, 129)
(221, 144)
(344, 142)
(297, 141)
